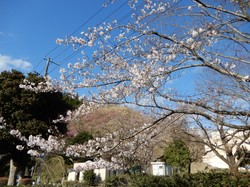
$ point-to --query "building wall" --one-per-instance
(161, 169)
(211, 159)
(101, 174)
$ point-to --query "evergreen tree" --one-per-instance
(177, 154)
(29, 112)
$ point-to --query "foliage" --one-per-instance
(89, 177)
(73, 184)
(215, 178)
(209, 179)
(177, 154)
(150, 181)
(120, 180)
(50, 169)
(73, 102)
(81, 138)
(29, 112)
(4, 165)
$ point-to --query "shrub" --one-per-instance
(73, 184)
(81, 138)
(114, 181)
(148, 181)
(89, 177)
(210, 179)
(215, 178)
(181, 180)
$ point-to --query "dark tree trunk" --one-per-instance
(189, 167)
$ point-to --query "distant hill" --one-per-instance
(107, 119)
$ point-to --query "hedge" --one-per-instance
(211, 179)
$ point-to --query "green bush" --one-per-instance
(210, 179)
(73, 184)
(89, 177)
(81, 138)
(151, 181)
(219, 179)
(114, 181)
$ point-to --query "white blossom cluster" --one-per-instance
(137, 58)
(46, 86)
(135, 146)
(98, 164)
(120, 146)
(2, 122)
(17, 134)
(37, 145)
(84, 109)
(52, 144)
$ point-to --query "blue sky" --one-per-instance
(29, 29)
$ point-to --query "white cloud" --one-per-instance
(5, 34)
(8, 63)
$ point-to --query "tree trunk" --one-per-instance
(12, 174)
(234, 170)
(233, 167)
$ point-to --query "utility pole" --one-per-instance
(47, 65)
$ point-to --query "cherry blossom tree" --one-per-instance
(228, 143)
(166, 45)
(147, 64)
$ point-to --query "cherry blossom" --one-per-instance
(98, 164)
(37, 145)
(146, 61)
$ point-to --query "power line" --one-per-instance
(37, 65)
(77, 29)
(66, 49)
(131, 33)
(55, 48)
(120, 20)
(123, 18)
(78, 51)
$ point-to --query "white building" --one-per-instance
(212, 159)
(161, 169)
(100, 169)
